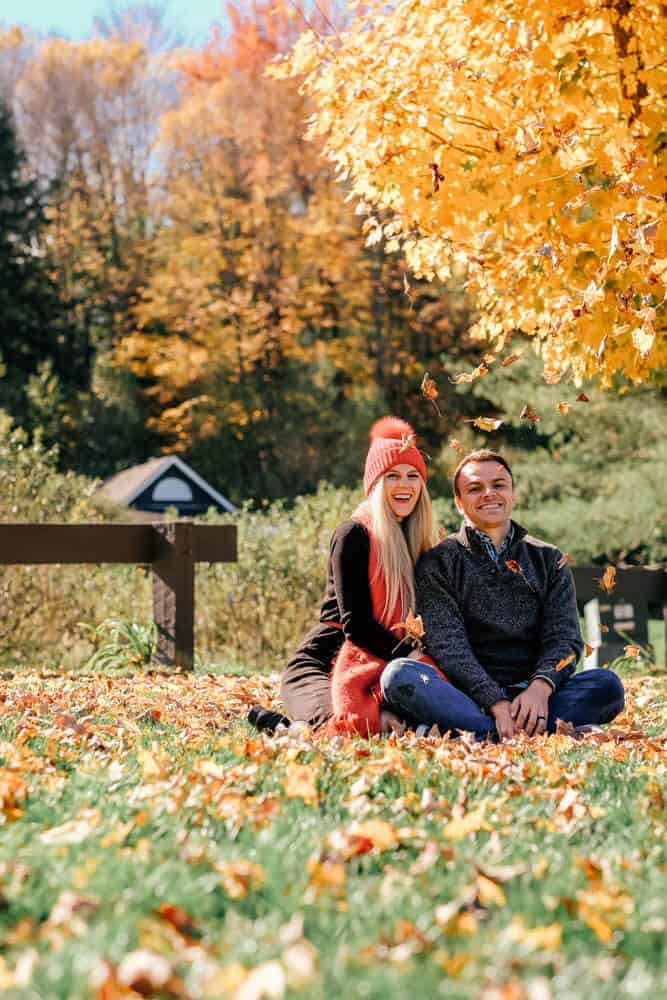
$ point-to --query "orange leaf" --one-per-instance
(485, 423)
(563, 407)
(429, 387)
(509, 360)
(513, 565)
(413, 626)
(456, 445)
(608, 580)
(477, 372)
(564, 662)
(528, 413)
(632, 652)
(583, 398)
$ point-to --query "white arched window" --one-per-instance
(172, 490)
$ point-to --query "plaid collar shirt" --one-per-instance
(488, 546)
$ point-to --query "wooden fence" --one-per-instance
(171, 549)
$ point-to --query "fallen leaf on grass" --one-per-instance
(238, 878)
(300, 962)
(13, 792)
(75, 831)
(326, 876)
(489, 892)
(604, 909)
(144, 971)
(300, 783)
(548, 938)
(471, 822)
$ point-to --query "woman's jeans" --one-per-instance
(417, 693)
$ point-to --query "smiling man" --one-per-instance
(500, 618)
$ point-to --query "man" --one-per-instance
(500, 619)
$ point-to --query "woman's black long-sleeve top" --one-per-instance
(305, 686)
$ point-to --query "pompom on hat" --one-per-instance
(392, 443)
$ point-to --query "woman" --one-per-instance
(334, 675)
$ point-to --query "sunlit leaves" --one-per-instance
(492, 149)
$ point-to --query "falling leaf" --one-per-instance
(437, 177)
(429, 391)
(413, 627)
(509, 360)
(582, 398)
(513, 565)
(563, 407)
(478, 372)
(564, 662)
(442, 533)
(632, 652)
(457, 446)
(608, 580)
(528, 413)
(588, 650)
(485, 423)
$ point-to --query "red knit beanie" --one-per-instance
(392, 443)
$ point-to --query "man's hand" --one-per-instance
(530, 709)
(504, 722)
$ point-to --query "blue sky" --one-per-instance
(74, 18)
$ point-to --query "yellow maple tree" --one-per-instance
(523, 146)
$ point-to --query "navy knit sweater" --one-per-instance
(488, 627)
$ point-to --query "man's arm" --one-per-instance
(561, 635)
(445, 634)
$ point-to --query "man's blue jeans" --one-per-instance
(417, 693)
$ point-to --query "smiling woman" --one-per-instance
(334, 675)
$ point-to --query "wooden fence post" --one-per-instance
(174, 594)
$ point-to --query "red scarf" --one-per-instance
(355, 681)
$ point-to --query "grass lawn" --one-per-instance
(153, 845)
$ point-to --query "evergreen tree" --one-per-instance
(34, 326)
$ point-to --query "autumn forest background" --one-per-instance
(182, 270)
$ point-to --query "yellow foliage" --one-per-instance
(522, 142)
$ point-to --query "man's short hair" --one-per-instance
(481, 455)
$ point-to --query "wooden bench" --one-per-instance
(639, 593)
(170, 548)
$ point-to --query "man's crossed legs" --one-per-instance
(418, 694)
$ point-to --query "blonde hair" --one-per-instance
(398, 548)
